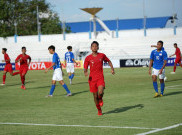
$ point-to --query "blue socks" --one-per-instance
(162, 88)
(155, 87)
(72, 76)
(52, 89)
(66, 88)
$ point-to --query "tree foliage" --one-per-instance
(24, 13)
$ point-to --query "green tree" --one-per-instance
(24, 13)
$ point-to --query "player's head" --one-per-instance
(51, 49)
(23, 49)
(69, 48)
(94, 46)
(159, 45)
(4, 50)
(175, 45)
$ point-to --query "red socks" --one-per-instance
(4, 78)
(98, 107)
(174, 68)
(23, 80)
(16, 73)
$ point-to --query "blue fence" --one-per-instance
(2, 65)
(127, 24)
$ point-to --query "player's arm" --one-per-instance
(154, 46)
(165, 62)
(30, 59)
(47, 69)
(150, 66)
(151, 61)
(172, 55)
(75, 61)
(112, 68)
(86, 63)
(65, 60)
(18, 59)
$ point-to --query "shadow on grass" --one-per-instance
(16, 84)
(123, 109)
(80, 83)
(80, 92)
(173, 93)
(174, 80)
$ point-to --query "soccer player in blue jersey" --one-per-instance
(69, 62)
(57, 75)
(162, 50)
(158, 59)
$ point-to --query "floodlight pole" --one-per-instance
(117, 27)
(90, 30)
(38, 25)
(144, 19)
(64, 33)
(94, 26)
(174, 17)
(15, 36)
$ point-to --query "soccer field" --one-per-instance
(129, 107)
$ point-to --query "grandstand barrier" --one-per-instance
(142, 62)
(44, 65)
(2, 65)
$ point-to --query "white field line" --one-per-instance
(89, 126)
(173, 86)
(161, 129)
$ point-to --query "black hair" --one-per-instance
(23, 47)
(52, 47)
(176, 44)
(69, 47)
(161, 42)
(4, 49)
(95, 42)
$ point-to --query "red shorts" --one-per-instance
(8, 68)
(95, 84)
(23, 70)
(178, 60)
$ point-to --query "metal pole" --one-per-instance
(15, 36)
(117, 25)
(90, 29)
(144, 19)
(63, 27)
(174, 17)
(38, 25)
(94, 26)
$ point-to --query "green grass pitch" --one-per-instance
(128, 102)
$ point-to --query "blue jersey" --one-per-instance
(56, 60)
(69, 56)
(158, 58)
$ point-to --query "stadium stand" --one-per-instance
(130, 44)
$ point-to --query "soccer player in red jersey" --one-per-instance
(24, 64)
(96, 77)
(8, 66)
(178, 58)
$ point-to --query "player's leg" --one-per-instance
(101, 94)
(23, 73)
(58, 76)
(96, 100)
(161, 77)
(155, 73)
(65, 87)
(4, 77)
(72, 71)
(174, 69)
(69, 72)
(11, 71)
(52, 88)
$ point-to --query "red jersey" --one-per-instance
(96, 66)
(178, 53)
(6, 57)
(23, 61)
